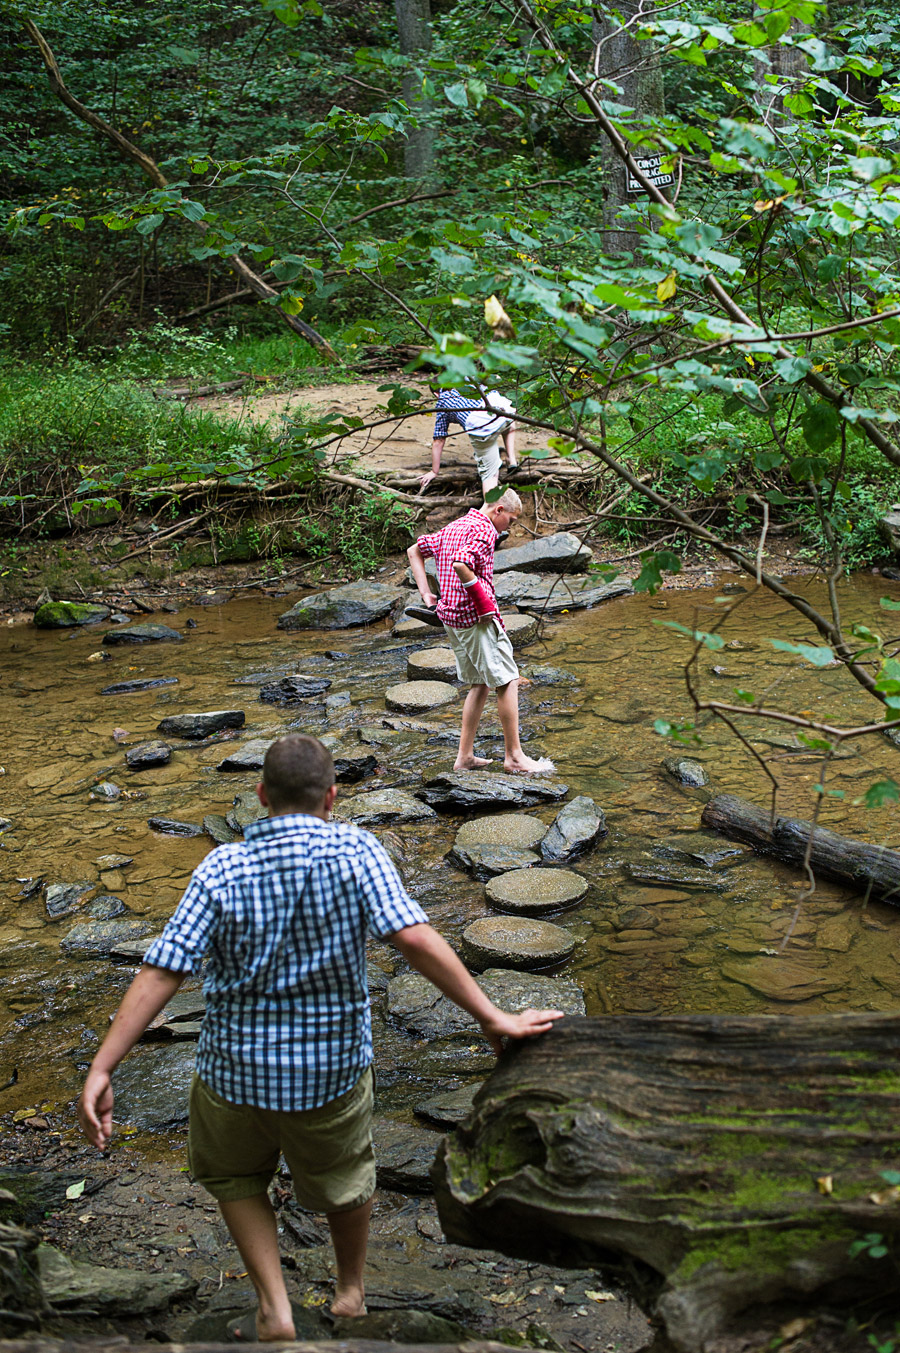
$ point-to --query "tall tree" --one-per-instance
(414, 24)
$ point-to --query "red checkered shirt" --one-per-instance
(470, 540)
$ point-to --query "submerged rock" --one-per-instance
(670, 873)
(143, 634)
(514, 942)
(55, 615)
(148, 754)
(576, 827)
(250, 756)
(61, 899)
(359, 603)
(686, 771)
(106, 790)
(383, 806)
(290, 690)
(170, 826)
(562, 552)
(194, 727)
(139, 684)
(100, 937)
(551, 676)
(698, 848)
(535, 892)
(412, 697)
(460, 791)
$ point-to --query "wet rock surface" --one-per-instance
(559, 553)
(344, 607)
(61, 899)
(194, 727)
(577, 826)
(502, 829)
(648, 869)
(404, 1154)
(216, 827)
(550, 595)
(67, 1283)
(515, 942)
(137, 685)
(249, 756)
(351, 767)
(421, 1009)
(143, 634)
(245, 810)
(484, 862)
(696, 848)
(170, 826)
(415, 697)
(464, 790)
(148, 754)
(382, 806)
(522, 629)
(64, 614)
(289, 690)
(101, 936)
(536, 892)
(431, 664)
(151, 1087)
(686, 771)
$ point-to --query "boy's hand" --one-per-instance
(499, 1025)
(429, 598)
(95, 1108)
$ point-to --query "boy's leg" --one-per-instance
(253, 1228)
(349, 1237)
(473, 709)
(508, 710)
(509, 439)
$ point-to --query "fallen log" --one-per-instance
(875, 870)
(738, 1158)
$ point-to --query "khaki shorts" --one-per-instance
(484, 654)
(233, 1149)
(487, 460)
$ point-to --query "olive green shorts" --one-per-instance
(233, 1149)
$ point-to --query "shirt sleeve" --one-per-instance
(183, 943)
(388, 906)
(441, 424)
(426, 545)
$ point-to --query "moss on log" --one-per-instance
(737, 1157)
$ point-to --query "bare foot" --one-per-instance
(473, 763)
(526, 765)
(349, 1301)
(256, 1328)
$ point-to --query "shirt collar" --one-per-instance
(478, 512)
(284, 822)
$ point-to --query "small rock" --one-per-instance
(383, 806)
(106, 790)
(194, 727)
(576, 827)
(412, 697)
(334, 655)
(248, 757)
(148, 754)
(335, 702)
(131, 951)
(30, 887)
(169, 826)
(61, 899)
(350, 767)
(448, 1109)
(246, 809)
(98, 657)
(686, 771)
(536, 892)
(216, 826)
(515, 942)
(551, 676)
(113, 861)
(100, 937)
(696, 848)
(290, 690)
(152, 1087)
(485, 862)
(143, 634)
(404, 1154)
(105, 907)
(65, 614)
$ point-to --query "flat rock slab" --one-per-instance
(696, 848)
(781, 978)
(520, 628)
(686, 771)
(404, 1155)
(536, 892)
(139, 684)
(515, 942)
(195, 727)
(288, 690)
(448, 1109)
(431, 664)
(359, 603)
(461, 791)
(245, 810)
(215, 826)
(562, 552)
(351, 767)
(66, 1283)
(576, 827)
(55, 615)
(249, 756)
(418, 1005)
(170, 826)
(671, 874)
(151, 1088)
(409, 628)
(548, 595)
(61, 899)
(88, 938)
(413, 697)
(147, 755)
(502, 829)
(143, 634)
(132, 951)
(485, 862)
(383, 806)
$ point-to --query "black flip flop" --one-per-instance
(426, 613)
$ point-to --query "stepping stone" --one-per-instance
(521, 628)
(460, 791)
(431, 664)
(416, 1004)
(502, 829)
(412, 697)
(54, 615)
(383, 806)
(485, 862)
(248, 757)
(408, 628)
(534, 892)
(515, 942)
(139, 684)
(195, 727)
(359, 603)
(144, 634)
(577, 826)
(148, 754)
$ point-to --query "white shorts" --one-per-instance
(484, 654)
(487, 460)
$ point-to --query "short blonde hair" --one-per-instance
(511, 501)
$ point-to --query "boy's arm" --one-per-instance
(150, 991)
(437, 447)
(432, 956)
(420, 577)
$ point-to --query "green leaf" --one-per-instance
(653, 565)
(880, 795)
(792, 369)
(819, 657)
(889, 605)
(75, 1190)
(820, 424)
(456, 94)
(715, 642)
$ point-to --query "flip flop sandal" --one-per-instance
(426, 613)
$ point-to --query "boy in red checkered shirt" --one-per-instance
(464, 554)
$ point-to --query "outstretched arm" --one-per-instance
(431, 955)
(437, 447)
(151, 989)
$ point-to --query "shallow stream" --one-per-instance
(641, 949)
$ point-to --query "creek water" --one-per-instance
(641, 948)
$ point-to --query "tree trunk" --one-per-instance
(634, 67)
(738, 1158)
(414, 24)
(874, 870)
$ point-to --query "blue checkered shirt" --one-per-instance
(451, 407)
(282, 919)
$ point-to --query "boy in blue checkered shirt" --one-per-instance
(488, 419)
(285, 1052)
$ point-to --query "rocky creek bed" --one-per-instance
(652, 915)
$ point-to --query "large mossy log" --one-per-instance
(873, 869)
(737, 1157)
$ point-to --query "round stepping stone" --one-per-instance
(412, 697)
(483, 862)
(534, 892)
(502, 829)
(515, 942)
(431, 664)
(408, 628)
(521, 628)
